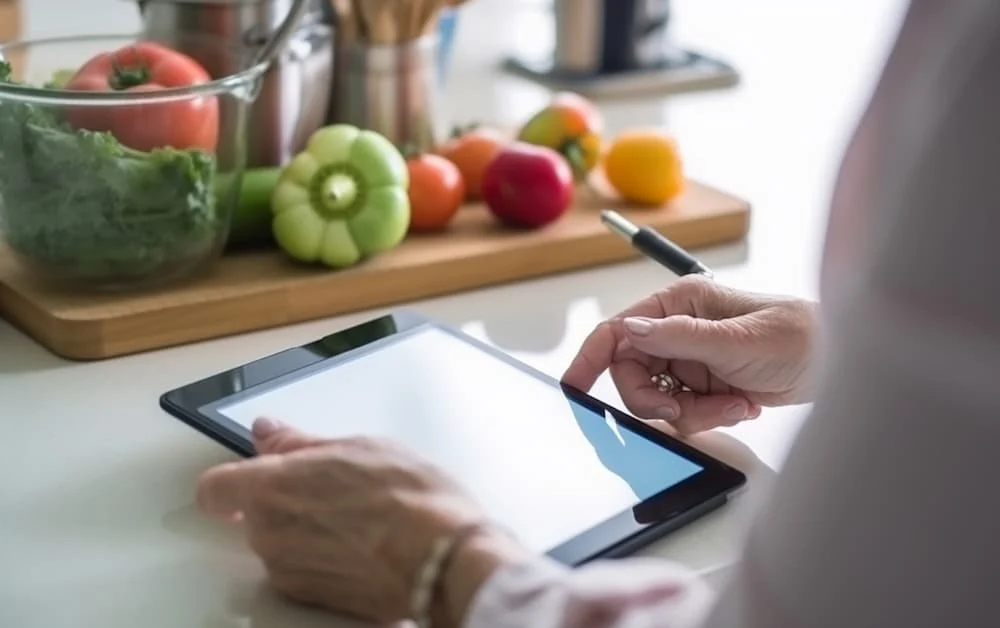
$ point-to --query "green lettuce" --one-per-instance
(80, 202)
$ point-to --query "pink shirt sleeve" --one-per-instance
(636, 593)
(886, 513)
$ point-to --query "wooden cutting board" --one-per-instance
(262, 289)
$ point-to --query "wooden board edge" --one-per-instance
(90, 339)
(43, 327)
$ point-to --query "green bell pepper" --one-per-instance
(343, 198)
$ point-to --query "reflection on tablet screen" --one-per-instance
(545, 466)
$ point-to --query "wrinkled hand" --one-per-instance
(736, 351)
(344, 524)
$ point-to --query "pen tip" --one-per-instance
(617, 223)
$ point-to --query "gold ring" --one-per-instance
(666, 383)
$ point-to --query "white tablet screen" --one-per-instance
(542, 465)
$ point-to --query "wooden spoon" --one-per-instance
(386, 23)
(412, 12)
(360, 19)
(347, 20)
(429, 16)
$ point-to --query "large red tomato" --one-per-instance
(147, 67)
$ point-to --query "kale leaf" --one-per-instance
(79, 202)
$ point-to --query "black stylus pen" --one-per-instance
(655, 246)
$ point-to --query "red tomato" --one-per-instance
(147, 67)
(472, 151)
(436, 192)
(528, 185)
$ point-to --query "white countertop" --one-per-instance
(97, 524)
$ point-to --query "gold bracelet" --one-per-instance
(431, 572)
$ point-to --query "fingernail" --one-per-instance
(264, 427)
(638, 326)
(736, 412)
(666, 413)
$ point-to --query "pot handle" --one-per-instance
(272, 47)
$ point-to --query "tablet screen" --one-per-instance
(545, 466)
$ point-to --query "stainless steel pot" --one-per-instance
(226, 36)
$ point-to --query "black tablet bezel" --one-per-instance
(619, 535)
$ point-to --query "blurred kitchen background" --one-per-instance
(786, 80)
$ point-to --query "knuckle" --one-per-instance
(697, 295)
(694, 283)
(607, 326)
(697, 327)
(684, 296)
(693, 287)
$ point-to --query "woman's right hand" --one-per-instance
(735, 351)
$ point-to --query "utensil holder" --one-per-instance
(389, 89)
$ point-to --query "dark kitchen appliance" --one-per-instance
(618, 48)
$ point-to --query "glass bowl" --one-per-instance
(108, 180)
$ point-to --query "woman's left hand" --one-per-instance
(347, 524)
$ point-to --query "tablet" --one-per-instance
(569, 475)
